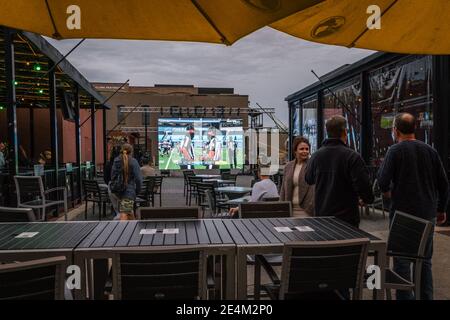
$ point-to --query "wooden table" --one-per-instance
(258, 236)
(209, 176)
(110, 237)
(221, 182)
(50, 239)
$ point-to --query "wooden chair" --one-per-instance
(320, 270)
(31, 194)
(265, 209)
(245, 181)
(407, 240)
(166, 274)
(186, 174)
(169, 213)
(17, 215)
(33, 280)
(93, 193)
(157, 188)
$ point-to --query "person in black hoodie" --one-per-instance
(341, 179)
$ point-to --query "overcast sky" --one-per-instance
(267, 65)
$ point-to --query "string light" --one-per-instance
(37, 67)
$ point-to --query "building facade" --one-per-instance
(135, 111)
(370, 93)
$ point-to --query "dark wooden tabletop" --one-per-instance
(130, 234)
(48, 235)
(262, 231)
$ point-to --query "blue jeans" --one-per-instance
(403, 268)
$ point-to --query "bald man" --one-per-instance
(413, 176)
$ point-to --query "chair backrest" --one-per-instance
(168, 213)
(320, 267)
(187, 173)
(193, 180)
(16, 215)
(167, 275)
(408, 236)
(271, 199)
(245, 181)
(28, 188)
(33, 280)
(91, 187)
(158, 180)
(250, 210)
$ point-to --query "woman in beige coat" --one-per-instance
(294, 186)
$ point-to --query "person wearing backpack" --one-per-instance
(126, 181)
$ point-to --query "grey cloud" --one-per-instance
(267, 65)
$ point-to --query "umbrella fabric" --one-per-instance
(215, 21)
(407, 26)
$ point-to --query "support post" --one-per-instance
(78, 140)
(53, 122)
(94, 135)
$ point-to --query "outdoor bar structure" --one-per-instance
(47, 108)
(369, 93)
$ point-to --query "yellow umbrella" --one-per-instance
(215, 21)
(403, 26)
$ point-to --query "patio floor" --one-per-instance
(173, 196)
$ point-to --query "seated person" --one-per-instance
(265, 188)
(148, 170)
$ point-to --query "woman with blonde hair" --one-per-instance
(294, 186)
(126, 181)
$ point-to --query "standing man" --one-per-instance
(413, 176)
(340, 176)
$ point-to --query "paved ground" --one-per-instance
(375, 223)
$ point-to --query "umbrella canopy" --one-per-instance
(406, 26)
(215, 21)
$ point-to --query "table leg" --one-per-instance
(230, 275)
(81, 294)
(241, 274)
(380, 260)
(100, 273)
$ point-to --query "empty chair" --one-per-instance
(31, 194)
(408, 237)
(33, 280)
(157, 188)
(379, 199)
(169, 213)
(192, 188)
(147, 196)
(265, 209)
(17, 215)
(320, 270)
(166, 275)
(245, 181)
(93, 193)
(186, 174)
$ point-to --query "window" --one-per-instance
(146, 115)
(309, 120)
(346, 102)
(120, 114)
(404, 86)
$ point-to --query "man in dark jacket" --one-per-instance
(340, 176)
(413, 176)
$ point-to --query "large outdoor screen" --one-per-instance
(200, 144)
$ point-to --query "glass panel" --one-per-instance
(309, 121)
(296, 118)
(401, 87)
(348, 94)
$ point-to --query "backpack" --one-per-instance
(117, 184)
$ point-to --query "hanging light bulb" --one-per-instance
(37, 67)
